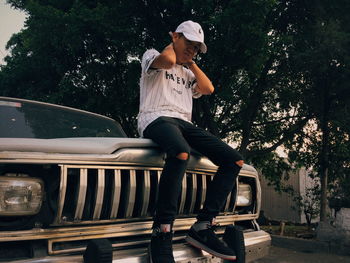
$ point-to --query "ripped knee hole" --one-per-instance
(182, 156)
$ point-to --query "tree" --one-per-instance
(77, 53)
(319, 59)
(309, 203)
(87, 54)
(280, 69)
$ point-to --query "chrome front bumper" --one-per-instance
(257, 245)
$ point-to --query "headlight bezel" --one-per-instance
(21, 196)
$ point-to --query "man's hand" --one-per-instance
(188, 64)
(204, 85)
(240, 163)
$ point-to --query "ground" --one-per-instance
(283, 255)
(291, 230)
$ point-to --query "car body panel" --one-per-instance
(78, 173)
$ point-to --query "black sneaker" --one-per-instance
(202, 236)
(160, 249)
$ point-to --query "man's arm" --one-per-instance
(166, 59)
(204, 85)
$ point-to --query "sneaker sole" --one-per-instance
(199, 245)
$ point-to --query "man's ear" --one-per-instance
(175, 36)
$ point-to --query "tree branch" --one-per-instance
(287, 135)
(276, 121)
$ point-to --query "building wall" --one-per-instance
(279, 206)
(342, 220)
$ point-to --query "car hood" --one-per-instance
(120, 149)
(84, 145)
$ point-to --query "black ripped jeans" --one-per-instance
(178, 136)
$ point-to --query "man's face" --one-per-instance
(185, 49)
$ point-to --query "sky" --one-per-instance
(11, 21)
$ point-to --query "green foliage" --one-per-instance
(276, 169)
(280, 69)
(309, 203)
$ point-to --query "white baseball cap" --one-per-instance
(193, 32)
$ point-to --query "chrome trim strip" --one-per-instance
(100, 188)
(130, 200)
(194, 191)
(111, 167)
(62, 194)
(250, 239)
(122, 228)
(51, 242)
(116, 194)
(124, 167)
(146, 193)
(107, 221)
(183, 194)
(81, 194)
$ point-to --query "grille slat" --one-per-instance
(81, 194)
(183, 195)
(62, 193)
(95, 193)
(204, 191)
(159, 173)
(193, 178)
(116, 194)
(146, 192)
(130, 201)
(100, 188)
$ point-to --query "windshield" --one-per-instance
(27, 119)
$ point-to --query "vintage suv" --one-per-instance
(70, 177)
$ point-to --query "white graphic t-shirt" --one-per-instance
(164, 92)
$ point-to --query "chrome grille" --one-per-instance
(98, 193)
